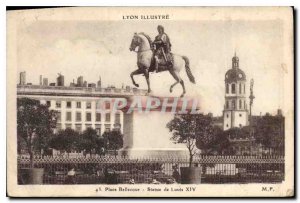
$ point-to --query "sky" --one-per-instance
(101, 48)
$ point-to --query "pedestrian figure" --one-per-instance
(176, 174)
(71, 176)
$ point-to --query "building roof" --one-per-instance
(78, 91)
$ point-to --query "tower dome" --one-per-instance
(235, 74)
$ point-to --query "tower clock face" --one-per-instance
(227, 76)
(240, 75)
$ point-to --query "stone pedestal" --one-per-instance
(146, 134)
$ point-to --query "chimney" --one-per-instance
(45, 81)
(22, 78)
(279, 112)
(99, 82)
(60, 80)
(41, 80)
(85, 84)
(80, 81)
(72, 84)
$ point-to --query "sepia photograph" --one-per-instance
(150, 102)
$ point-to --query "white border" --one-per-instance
(103, 3)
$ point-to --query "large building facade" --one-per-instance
(80, 108)
(235, 113)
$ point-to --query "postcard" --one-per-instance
(150, 102)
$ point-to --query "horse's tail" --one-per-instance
(188, 70)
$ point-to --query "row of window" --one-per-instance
(233, 104)
(78, 127)
(88, 117)
(233, 88)
(78, 105)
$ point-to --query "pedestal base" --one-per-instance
(154, 153)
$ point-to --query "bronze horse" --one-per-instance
(145, 62)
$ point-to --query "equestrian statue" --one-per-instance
(156, 56)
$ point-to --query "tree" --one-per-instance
(57, 142)
(35, 124)
(196, 131)
(101, 146)
(269, 131)
(217, 141)
(21, 145)
(183, 128)
(66, 140)
(237, 134)
(114, 140)
(88, 140)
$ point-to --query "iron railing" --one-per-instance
(165, 170)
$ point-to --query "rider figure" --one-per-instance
(162, 47)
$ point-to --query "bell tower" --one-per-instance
(235, 113)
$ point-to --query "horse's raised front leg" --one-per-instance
(172, 86)
(136, 72)
(146, 73)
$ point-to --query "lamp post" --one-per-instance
(251, 98)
